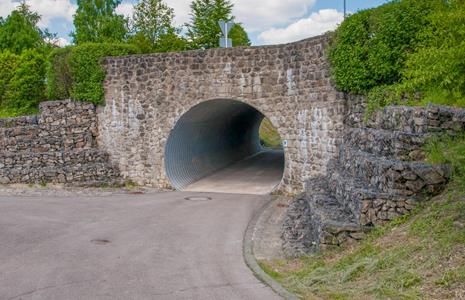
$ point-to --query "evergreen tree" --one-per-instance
(96, 22)
(19, 31)
(204, 32)
(154, 29)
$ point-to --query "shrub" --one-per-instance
(437, 68)
(87, 72)
(59, 79)
(371, 46)
(76, 72)
(26, 88)
(8, 64)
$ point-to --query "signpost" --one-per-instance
(225, 42)
(345, 9)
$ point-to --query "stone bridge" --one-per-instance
(171, 119)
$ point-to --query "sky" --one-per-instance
(266, 21)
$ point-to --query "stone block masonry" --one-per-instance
(380, 174)
(290, 84)
(56, 146)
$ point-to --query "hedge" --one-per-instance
(22, 84)
(76, 72)
(8, 64)
(371, 47)
(59, 80)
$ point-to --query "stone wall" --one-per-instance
(380, 174)
(58, 145)
(290, 84)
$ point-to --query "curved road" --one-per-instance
(154, 246)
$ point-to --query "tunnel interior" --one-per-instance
(212, 136)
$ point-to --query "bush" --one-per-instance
(407, 51)
(26, 87)
(59, 80)
(437, 68)
(371, 47)
(8, 64)
(87, 72)
(76, 72)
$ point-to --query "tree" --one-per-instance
(204, 32)
(96, 22)
(154, 29)
(19, 31)
(152, 18)
(239, 36)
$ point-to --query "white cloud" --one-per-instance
(48, 9)
(59, 41)
(6, 6)
(256, 15)
(126, 9)
(181, 10)
(259, 15)
(317, 23)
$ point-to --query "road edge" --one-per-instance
(251, 262)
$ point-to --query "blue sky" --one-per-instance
(266, 21)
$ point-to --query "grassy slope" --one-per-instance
(421, 256)
(269, 137)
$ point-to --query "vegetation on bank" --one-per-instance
(404, 52)
(269, 136)
(421, 256)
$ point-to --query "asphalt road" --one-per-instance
(156, 246)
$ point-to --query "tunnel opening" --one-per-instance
(218, 146)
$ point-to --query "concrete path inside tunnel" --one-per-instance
(152, 246)
(255, 175)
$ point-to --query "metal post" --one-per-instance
(345, 9)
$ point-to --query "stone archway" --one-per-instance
(146, 95)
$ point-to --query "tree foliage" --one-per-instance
(59, 78)
(152, 25)
(96, 21)
(76, 72)
(371, 47)
(19, 31)
(406, 51)
(439, 62)
(8, 64)
(203, 31)
(22, 85)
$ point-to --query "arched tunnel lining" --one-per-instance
(209, 137)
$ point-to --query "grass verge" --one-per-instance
(421, 256)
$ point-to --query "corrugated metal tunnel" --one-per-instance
(209, 137)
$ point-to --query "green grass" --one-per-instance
(421, 256)
(269, 136)
(11, 113)
(440, 97)
(449, 150)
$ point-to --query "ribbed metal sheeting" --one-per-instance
(209, 137)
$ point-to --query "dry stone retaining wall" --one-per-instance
(379, 175)
(58, 145)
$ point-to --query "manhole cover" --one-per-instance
(198, 198)
(100, 242)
